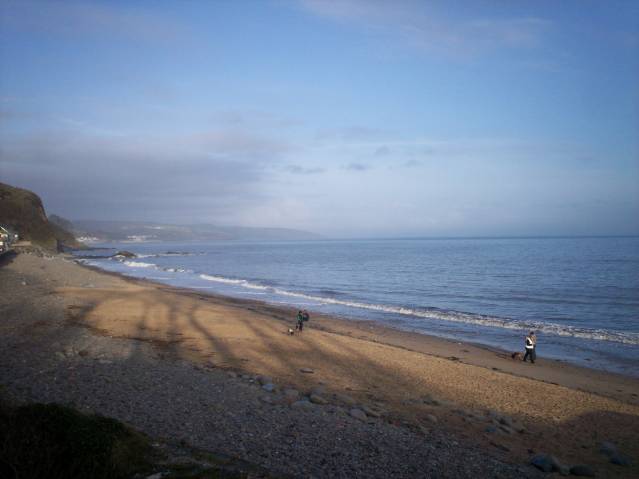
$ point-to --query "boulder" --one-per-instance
(307, 370)
(125, 254)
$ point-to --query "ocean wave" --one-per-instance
(239, 282)
(138, 264)
(177, 270)
(168, 253)
(453, 316)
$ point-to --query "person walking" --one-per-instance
(531, 343)
(300, 321)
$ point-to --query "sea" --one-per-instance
(580, 295)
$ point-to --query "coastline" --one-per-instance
(423, 383)
(553, 371)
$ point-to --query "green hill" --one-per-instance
(22, 211)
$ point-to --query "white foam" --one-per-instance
(138, 264)
(453, 316)
(239, 282)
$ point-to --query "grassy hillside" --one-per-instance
(23, 211)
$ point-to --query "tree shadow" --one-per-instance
(251, 338)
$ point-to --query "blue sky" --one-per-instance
(349, 118)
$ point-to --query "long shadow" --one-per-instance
(344, 359)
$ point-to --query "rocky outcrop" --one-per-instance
(22, 211)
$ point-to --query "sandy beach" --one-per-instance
(459, 409)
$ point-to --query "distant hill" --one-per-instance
(23, 212)
(147, 231)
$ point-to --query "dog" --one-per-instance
(291, 331)
(517, 355)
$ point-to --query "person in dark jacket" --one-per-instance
(530, 344)
(300, 321)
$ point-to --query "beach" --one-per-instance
(197, 367)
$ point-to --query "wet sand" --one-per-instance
(417, 381)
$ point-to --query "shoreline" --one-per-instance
(605, 350)
(477, 354)
(429, 388)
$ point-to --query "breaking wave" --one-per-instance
(139, 264)
(437, 314)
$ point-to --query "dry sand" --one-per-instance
(561, 409)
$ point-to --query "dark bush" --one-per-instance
(52, 441)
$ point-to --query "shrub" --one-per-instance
(52, 441)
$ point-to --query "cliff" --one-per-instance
(23, 211)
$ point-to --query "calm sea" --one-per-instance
(581, 295)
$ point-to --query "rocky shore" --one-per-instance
(339, 401)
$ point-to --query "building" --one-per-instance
(7, 237)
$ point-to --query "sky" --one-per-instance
(352, 118)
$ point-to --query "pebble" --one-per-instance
(307, 370)
(291, 395)
(264, 380)
(619, 459)
(582, 470)
(500, 446)
(431, 401)
(319, 390)
(559, 467)
(302, 404)
(358, 414)
(343, 398)
(506, 421)
(270, 387)
(317, 399)
(543, 462)
(371, 412)
(431, 417)
(608, 448)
